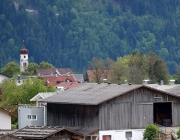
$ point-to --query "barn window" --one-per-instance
(157, 99)
(32, 117)
(106, 137)
(128, 134)
(29, 117)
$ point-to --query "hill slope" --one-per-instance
(69, 33)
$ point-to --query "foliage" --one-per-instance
(11, 69)
(14, 94)
(178, 134)
(137, 67)
(70, 33)
(31, 69)
(119, 70)
(45, 65)
(150, 132)
(100, 68)
(14, 126)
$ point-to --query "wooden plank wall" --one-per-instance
(72, 115)
(131, 110)
(142, 115)
(176, 113)
(115, 116)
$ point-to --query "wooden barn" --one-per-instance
(113, 107)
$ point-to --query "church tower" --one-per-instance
(23, 58)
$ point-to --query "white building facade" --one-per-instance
(129, 134)
(5, 119)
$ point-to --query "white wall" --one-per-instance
(2, 77)
(5, 120)
(137, 134)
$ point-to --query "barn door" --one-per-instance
(142, 114)
(176, 114)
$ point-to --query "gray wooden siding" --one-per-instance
(131, 110)
(142, 115)
(144, 95)
(176, 113)
(115, 116)
(72, 115)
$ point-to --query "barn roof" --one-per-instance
(91, 93)
(94, 93)
(42, 132)
(175, 90)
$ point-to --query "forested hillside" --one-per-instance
(69, 33)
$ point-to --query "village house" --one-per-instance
(125, 109)
(54, 73)
(5, 115)
(3, 77)
(36, 114)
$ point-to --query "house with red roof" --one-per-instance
(60, 74)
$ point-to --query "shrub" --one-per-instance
(178, 133)
(150, 132)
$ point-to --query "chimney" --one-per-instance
(125, 82)
(171, 82)
(146, 81)
(161, 82)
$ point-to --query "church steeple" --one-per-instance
(23, 58)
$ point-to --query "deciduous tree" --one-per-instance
(14, 94)
(45, 65)
(11, 69)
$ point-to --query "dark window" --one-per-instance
(128, 134)
(24, 56)
(24, 64)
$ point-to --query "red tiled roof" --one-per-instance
(54, 80)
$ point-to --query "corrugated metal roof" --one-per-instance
(91, 93)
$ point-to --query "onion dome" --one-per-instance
(23, 50)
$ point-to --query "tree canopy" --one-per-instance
(134, 68)
(70, 33)
(14, 94)
(10, 69)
